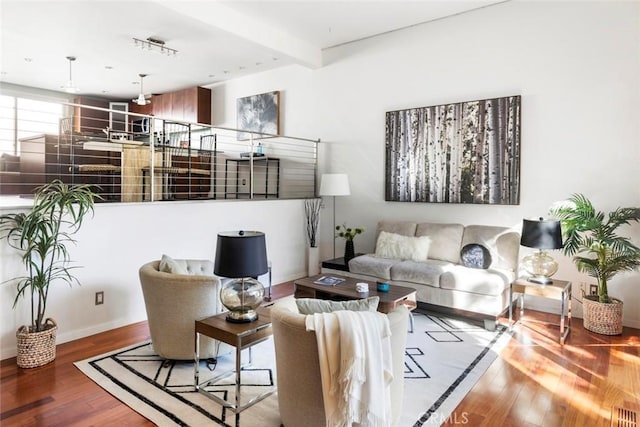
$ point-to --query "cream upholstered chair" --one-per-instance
(175, 301)
(298, 368)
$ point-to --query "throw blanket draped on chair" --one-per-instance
(355, 365)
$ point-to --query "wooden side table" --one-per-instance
(336, 264)
(559, 290)
(241, 336)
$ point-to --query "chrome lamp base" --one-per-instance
(542, 280)
(242, 316)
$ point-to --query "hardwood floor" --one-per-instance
(538, 382)
(534, 382)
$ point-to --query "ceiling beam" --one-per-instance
(252, 30)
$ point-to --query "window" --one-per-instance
(7, 124)
(20, 118)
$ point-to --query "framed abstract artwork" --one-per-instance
(258, 113)
(467, 152)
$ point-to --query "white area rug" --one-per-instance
(444, 359)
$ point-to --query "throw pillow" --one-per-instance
(170, 265)
(474, 255)
(397, 246)
(311, 305)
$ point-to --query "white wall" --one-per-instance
(113, 244)
(576, 65)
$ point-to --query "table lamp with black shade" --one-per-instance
(241, 256)
(541, 234)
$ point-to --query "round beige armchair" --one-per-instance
(300, 396)
(174, 302)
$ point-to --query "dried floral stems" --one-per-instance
(312, 214)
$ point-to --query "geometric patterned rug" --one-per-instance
(444, 358)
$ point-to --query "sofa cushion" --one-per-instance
(503, 244)
(485, 282)
(170, 265)
(370, 265)
(392, 245)
(404, 228)
(475, 255)
(312, 305)
(192, 267)
(445, 240)
(424, 272)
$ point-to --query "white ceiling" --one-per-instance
(216, 40)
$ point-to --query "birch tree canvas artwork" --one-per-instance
(466, 152)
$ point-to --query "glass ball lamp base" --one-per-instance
(241, 297)
(540, 266)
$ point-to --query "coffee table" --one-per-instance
(397, 295)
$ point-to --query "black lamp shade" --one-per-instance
(541, 234)
(241, 254)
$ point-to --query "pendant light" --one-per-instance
(69, 87)
(141, 100)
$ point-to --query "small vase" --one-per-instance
(313, 258)
(349, 251)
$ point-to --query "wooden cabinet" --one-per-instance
(140, 109)
(43, 159)
(87, 120)
(189, 105)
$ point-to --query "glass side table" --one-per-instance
(241, 336)
(559, 290)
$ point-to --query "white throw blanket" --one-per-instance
(354, 350)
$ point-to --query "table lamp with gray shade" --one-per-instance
(241, 256)
(541, 234)
(334, 184)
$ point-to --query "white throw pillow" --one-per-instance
(397, 246)
(169, 265)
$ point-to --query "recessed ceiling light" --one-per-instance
(28, 59)
(258, 63)
(226, 71)
(211, 75)
(108, 67)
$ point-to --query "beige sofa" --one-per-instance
(175, 301)
(298, 368)
(443, 280)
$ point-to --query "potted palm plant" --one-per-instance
(41, 235)
(592, 238)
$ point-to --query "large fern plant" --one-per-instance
(591, 238)
(41, 235)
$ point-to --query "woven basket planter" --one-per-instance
(36, 348)
(602, 318)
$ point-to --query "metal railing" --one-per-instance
(138, 158)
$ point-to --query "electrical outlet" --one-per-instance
(99, 297)
(593, 289)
